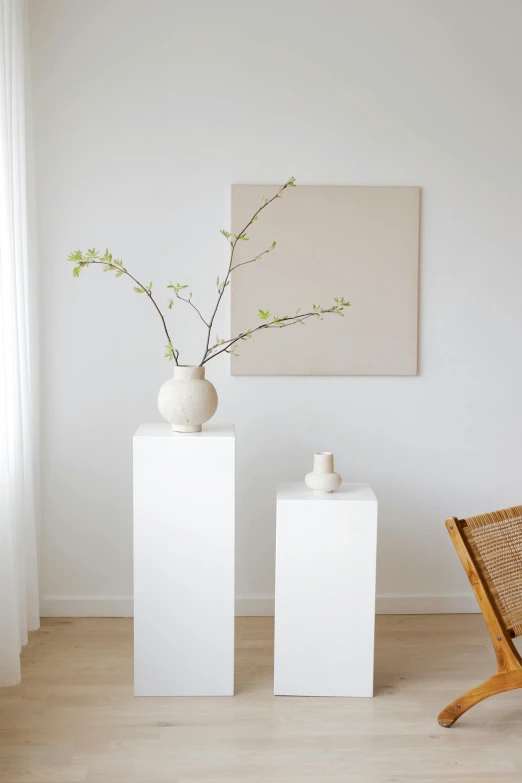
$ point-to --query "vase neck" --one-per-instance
(323, 462)
(187, 372)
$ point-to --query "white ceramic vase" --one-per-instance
(323, 479)
(187, 400)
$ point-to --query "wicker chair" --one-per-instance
(490, 549)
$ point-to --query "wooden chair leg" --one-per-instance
(503, 681)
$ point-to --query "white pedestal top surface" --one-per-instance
(164, 430)
(351, 492)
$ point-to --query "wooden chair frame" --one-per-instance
(509, 663)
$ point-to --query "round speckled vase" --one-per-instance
(323, 479)
(187, 400)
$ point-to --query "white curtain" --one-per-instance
(18, 565)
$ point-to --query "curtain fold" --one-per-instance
(19, 602)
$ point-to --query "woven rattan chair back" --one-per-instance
(496, 543)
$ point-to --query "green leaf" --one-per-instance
(217, 281)
(264, 314)
(226, 234)
(273, 245)
(243, 237)
(139, 290)
(169, 352)
(177, 288)
(118, 274)
(76, 271)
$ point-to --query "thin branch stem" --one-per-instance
(282, 323)
(243, 263)
(233, 244)
(191, 303)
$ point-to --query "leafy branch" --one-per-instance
(177, 288)
(233, 239)
(273, 322)
(109, 264)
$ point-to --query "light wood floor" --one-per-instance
(74, 717)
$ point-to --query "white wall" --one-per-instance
(145, 113)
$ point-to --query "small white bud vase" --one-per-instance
(187, 400)
(323, 479)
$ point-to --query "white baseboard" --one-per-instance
(86, 606)
(456, 603)
(255, 605)
(464, 603)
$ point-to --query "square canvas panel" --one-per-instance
(358, 242)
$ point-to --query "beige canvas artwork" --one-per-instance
(358, 242)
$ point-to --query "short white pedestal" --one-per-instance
(325, 591)
(184, 561)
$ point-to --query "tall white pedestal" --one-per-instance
(184, 561)
(325, 591)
